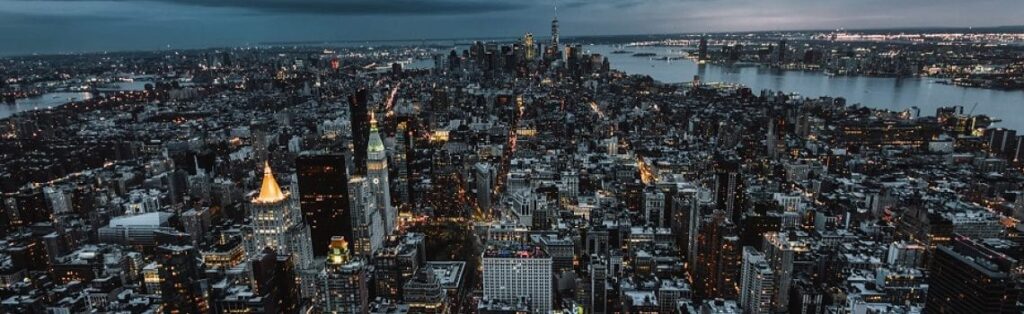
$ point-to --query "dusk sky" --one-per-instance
(42, 26)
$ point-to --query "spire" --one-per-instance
(195, 160)
(373, 122)
(375, 144)
(270, 192)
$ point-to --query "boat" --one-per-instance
(644, 54)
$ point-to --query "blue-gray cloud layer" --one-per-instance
(354, 7)
(48, 26)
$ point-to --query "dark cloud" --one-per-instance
(358, 7)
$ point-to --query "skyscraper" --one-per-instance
(515, 272)
(757, 285)
(598, 286)
(686, 223)
(277, 223)
(702, 49)
(180, 288)
(367, 225)
(377, 172)
(359, 119)
(344, 282)
(529, 46)
(780, 253)
(403, 156)
(424, 294)
(729, 193)
(718, 258)
(485, 180)
(396, 263)
(967, 277)
(782, 51)
(323, 198)
(554, 30)
(274, 279)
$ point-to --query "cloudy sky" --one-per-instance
(53, 26)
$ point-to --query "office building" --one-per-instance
(323, 197)
(968, 277)
(344, 282)
(513, 272)
(757, 283)
(359, 121)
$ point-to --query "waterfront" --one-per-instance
(44, 101)
(876, 92)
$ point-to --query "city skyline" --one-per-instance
(71, 26)
(869, 169)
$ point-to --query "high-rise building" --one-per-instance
(404, 155)
(773, 141)
(702, 49)
(757, 282)
(718, 258)
(729, 194)
(554, 32)
(344, 282)
(780, 252)
(277, 223)
(367, 225)
(654, 209)
(323, 198)
(377, 173)
(686, 214)
(485, 180)
(396, 263)
(359, 118)
(598, 286)
(198, 183)
(260, 132)
(424, 293)
(274, 280)
(968, 277)
(180, 285)
(782, 51)
(529, 46)
(515, 272)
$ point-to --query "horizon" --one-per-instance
(329, 42)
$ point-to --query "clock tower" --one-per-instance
(377, 172)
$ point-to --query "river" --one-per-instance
(55, 99)
(44, 101)
(876, 92)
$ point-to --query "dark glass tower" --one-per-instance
(180, 285)
(323, 197)
(359, 117)
(729, 195)
(274, 278)
(967, 277)
(702, 49)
